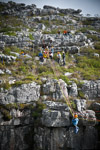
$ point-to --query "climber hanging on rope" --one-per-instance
(75, 121)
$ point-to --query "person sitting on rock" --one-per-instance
(75, 121)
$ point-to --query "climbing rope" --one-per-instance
(69, 104)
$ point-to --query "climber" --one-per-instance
(63, 57)
(75, 121)
(59, 57)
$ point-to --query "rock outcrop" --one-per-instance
(91, 89)
(38, 116)
(33, 126)
(26, 93)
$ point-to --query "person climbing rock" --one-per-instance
(63, 57)
(75, 121)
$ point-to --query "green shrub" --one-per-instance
(84, 30)
(45, 22)
(9, 30)
(23, 106)
(88, 67)
(2, 66)
(81, 94)
(85, 62)
(30, 78)
(6, 114)
(18, 83)
(15, 49)
(5, 85)
(97, 45)
(93, 37)
(66, 79)
(61, 14)
(87, 51)
(31, 37)
(10, 106)
(10, 33)
(7, 50)
(87, 22)
(22, 68)
(42, 69)
(72, 105)
(37, 111)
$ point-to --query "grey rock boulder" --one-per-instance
(55, 118)
(55, 89)
(1, 72)
(26, 93)
(80, 104)
(87, 118)
(73, 90)
(96, 106)
(91, 89)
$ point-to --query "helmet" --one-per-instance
(75, 116)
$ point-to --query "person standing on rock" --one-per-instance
(59, 32)
(75, 121)
(65, 32)
(59, 57)
(52, 49)
(41, 57)
(63, 57)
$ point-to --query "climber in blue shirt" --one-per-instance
(75, 121)
(41, 56)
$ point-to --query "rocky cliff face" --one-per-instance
(27, 124)
(38, 99)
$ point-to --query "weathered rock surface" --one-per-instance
(80, 104)
(62, 138)
(55, 130)
(25, 93)
(7, 58)
(91, 89)
(32, 127)
(96, 106)
(73, 90)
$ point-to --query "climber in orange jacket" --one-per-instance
(75, 121)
